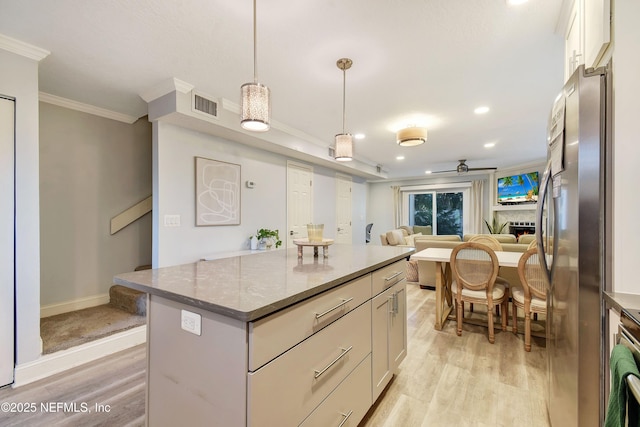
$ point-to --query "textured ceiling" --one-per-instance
(418, 62)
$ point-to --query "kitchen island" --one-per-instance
(273, 339)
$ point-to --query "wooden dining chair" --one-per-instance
(531, 297)
(493, 243)
(475, 268)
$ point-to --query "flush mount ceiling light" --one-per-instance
(256, 102)
(411, 136)
(344, 141)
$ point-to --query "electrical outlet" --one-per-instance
(172, 220)
(191, 322)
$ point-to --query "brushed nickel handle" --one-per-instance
(324, 313)
(344, 352)
(386, 279)
(346, 417)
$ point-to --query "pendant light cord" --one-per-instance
(255, 45)
(344, 97)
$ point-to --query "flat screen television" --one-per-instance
(517, 189)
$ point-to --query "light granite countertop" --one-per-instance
(251, 286)
(619, 301)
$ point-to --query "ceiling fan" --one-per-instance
(463, 168)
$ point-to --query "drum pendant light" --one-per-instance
(344, 141)
(256, 101)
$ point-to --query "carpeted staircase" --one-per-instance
(127, 309)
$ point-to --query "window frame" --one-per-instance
(458, 187)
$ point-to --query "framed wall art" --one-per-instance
(217, 192)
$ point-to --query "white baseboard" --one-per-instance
(76, 304)
(60, 361)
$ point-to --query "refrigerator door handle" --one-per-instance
(542, 198)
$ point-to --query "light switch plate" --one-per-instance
(191, 322)
(172, 220)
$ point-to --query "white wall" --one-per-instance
(626, 204)
(91, 169)
(380, 201)
(263, 206)
(19, 79)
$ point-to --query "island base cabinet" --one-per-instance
(389, 335)
(196, 380)
(286, 390)
(348, 404)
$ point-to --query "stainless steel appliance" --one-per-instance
(572, 222)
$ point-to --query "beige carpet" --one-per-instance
(67, 330)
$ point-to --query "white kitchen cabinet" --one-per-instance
(587, 32)
(389, 329)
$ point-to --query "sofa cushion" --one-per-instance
(525, 239)
(446, 237)
(424, 229)
(410, 240)
(396, 237)
(502, 238)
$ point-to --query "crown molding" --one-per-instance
(166, 87)
(23, 49)
(86, 108)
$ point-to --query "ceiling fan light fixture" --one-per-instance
(255, 109)
(411, 136)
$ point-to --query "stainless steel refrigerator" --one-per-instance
(572, 230)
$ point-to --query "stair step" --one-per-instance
(128, 299)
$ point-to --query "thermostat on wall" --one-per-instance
(250, 184)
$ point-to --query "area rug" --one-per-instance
(67, 330)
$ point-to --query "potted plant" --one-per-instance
(495, 228)
(266, 238)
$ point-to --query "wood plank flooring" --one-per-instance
(445, 380)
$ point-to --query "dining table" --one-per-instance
(442, 257)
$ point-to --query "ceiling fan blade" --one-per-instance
(452, 170)
(482, 169)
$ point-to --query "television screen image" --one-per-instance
(521, 188)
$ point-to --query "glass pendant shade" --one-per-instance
(411, 136)
(256, 107)
(344, 147)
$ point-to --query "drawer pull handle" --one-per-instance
(346, 417)
(324, 313)
(344, 351)
(386, 279)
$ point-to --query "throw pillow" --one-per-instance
(412, 271)
(410, 240)
(395, 237)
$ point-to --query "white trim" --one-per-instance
(86, 108)
(76, 304)
(23, 49)
(60, 361)
(430, 187)
(164, 88)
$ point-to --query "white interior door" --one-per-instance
(343, 209)
(299, 201)
(7, 220)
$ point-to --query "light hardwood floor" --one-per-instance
(445, 380)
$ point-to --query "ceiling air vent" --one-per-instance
(205, 105)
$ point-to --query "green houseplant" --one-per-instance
(268, 237)
(494, 227)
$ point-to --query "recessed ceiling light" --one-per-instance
(489, 145)
(481, 110)
(400, 158)
(427, 172)
(359, 136)
(516, 2)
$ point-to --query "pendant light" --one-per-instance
(256, 102)
(344, 141)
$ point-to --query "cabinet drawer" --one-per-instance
(287, 389)
(348, 403)
(275, 334)
(388, 276)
